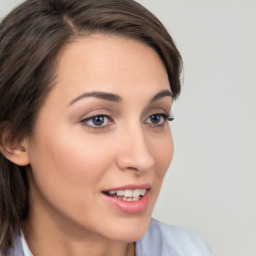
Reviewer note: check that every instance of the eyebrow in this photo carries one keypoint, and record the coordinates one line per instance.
(162, 94)
(116, 98)
(100, 95)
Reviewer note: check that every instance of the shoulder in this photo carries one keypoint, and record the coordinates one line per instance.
(16, 250)
(165, 240)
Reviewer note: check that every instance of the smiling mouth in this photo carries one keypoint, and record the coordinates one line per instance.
(127, 195)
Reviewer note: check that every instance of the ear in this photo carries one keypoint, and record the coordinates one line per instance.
(16, 152)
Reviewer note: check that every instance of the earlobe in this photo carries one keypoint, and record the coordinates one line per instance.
(16, 152)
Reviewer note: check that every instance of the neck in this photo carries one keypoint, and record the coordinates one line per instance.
(42, 241)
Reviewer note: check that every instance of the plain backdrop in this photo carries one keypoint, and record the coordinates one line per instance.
(211, 184)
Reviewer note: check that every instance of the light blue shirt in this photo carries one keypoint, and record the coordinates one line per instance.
(165, 240)
(160, 240)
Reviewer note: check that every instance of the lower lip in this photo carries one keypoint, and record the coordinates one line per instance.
(129, 206)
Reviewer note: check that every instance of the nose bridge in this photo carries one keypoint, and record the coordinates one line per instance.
(134, 149)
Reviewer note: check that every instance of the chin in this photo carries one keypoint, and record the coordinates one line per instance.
(130, 229)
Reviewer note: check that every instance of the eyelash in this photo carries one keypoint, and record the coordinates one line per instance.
(103, 117)
(165, 118)
(85, 121)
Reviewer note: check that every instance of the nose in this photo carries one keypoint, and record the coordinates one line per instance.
(134, 151)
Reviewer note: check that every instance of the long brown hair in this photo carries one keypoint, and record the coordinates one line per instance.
(31, 37)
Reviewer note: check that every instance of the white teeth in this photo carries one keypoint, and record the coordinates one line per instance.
(129, 194)
(139, 192)
(130, 199)
(120, 192)
(143, 192)
(136, 193)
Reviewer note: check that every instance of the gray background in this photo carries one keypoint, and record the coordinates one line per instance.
(211, 184)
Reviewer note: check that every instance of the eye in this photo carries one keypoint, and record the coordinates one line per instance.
(97, 121)
(157, 119)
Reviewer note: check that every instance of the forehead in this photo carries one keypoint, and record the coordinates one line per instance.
(109, 63)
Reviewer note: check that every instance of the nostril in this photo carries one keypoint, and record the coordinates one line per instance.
(133, 152)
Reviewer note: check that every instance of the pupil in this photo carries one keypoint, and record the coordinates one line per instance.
(155, 119)
(98, 120)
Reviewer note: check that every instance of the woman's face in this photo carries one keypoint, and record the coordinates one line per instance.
(102, 144)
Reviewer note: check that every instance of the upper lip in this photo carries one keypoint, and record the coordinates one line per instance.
(130, 187)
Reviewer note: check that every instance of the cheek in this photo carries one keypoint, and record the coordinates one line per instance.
(66, 168)
(163, 153)
(162, 150)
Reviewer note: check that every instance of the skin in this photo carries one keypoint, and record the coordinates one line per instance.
(72, 161)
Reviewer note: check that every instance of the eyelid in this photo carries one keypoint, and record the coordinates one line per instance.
(163, 119)
(85, 122)
(93, 113)
(162, 111)
(88, 122)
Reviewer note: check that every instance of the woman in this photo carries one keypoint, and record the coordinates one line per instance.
(86, 90)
